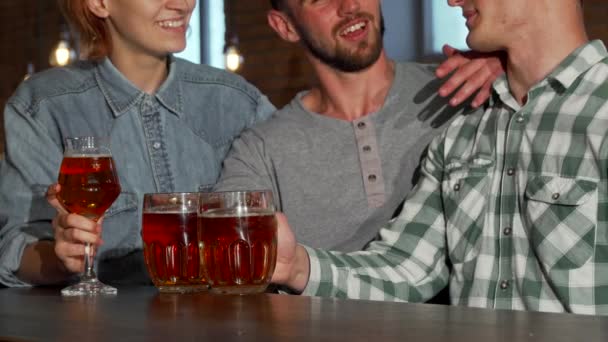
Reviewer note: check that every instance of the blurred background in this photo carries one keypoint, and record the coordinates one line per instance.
(234, 33)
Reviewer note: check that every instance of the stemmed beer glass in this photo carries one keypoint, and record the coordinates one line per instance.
(89, 186)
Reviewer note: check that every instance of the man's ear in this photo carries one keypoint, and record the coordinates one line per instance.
(282, 25)
(99, 7)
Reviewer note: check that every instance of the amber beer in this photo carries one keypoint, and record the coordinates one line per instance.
(239, 250)
(171, 251)
(89, 184)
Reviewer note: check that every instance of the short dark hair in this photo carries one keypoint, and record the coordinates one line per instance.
(276, 4)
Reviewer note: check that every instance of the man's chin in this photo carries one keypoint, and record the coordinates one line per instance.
(481, 45)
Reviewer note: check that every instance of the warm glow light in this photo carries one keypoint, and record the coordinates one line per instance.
(62, 54)
(234, 60)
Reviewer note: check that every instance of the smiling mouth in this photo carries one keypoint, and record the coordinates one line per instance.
(172, 23)
(470, 16)
(359, 26)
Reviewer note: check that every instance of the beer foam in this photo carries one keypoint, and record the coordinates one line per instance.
(237, 212)
(173, 211)
(87, 155)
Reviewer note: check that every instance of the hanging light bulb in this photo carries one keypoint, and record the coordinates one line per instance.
(234, 58)
(30, 71)
(63, 53)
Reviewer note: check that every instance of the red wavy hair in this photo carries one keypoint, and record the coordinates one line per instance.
(95, 40)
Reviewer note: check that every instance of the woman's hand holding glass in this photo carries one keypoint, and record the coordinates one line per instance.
(72, 232)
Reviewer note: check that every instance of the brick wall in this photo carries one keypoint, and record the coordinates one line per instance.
(30, 28)
(28, 31)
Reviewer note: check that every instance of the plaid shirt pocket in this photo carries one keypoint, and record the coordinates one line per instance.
(465, 190)
(561, 215)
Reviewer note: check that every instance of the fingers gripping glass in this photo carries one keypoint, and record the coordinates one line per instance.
(89, 186)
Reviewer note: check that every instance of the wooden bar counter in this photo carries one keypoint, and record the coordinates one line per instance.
(143, 314)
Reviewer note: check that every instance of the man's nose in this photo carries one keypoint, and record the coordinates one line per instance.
(348, 7)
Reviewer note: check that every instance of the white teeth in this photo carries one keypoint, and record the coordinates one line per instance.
(353, 28)
(171, 23)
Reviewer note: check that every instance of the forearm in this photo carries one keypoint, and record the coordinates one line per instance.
(41, 266)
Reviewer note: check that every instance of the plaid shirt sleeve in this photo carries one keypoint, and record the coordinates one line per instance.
(407, 263)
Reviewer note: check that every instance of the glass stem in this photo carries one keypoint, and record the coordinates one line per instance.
(89, 273)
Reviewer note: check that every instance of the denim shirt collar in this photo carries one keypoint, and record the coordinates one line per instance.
(121, 94)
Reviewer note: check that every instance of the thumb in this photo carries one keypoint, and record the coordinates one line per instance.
(51, 197)
(449, 51)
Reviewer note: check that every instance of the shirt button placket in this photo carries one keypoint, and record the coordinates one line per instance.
(514, 130)
(370, 161)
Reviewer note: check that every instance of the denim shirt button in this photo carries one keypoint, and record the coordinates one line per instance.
(156, 145)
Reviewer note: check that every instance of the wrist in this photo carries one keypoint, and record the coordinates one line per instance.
(41, 266)
(298, 278)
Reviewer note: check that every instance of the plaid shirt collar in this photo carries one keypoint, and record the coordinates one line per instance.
(560, 79)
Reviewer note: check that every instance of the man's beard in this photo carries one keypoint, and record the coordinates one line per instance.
(342, 59)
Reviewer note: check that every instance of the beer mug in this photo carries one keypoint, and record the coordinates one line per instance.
(237, 232)
(169, 234)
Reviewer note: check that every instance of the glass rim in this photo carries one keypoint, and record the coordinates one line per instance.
(172, 193)
(100, 138)
(236, 191)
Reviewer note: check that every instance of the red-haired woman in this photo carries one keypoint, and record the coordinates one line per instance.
(170, 123)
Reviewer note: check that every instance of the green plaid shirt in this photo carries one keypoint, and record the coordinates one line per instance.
(510, 209)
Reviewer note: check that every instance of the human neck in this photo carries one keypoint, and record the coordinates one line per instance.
(536, 54)
(349, 96)
(146, 72)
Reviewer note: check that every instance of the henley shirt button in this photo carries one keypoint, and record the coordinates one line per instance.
(372, 178)
(507, 231)
(361, 125)
(156, 145)
(555, 196)
(367, 148)
(504, 284)
(457, 187)
(511, 172)
(520, 119)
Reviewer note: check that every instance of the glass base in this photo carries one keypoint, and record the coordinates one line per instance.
(182, 288)
(240, 289)
(89, 287)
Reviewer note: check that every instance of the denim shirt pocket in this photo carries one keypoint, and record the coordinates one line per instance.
(465, 191)
(561, 216)
(126, 201)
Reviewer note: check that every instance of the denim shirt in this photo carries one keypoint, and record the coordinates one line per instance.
(174, 140)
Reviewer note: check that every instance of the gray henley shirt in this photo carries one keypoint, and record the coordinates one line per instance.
(337, 181)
